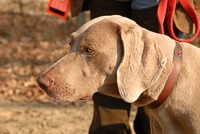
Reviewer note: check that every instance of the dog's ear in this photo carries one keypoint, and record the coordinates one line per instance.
(142, 62)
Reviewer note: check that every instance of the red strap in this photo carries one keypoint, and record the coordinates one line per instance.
(161, 12)
(171, 6)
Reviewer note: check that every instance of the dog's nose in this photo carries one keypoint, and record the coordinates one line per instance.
(44, 82)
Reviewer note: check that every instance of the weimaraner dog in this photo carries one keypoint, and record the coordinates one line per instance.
(114, 56)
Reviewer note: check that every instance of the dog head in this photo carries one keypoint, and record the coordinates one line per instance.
(109, 54)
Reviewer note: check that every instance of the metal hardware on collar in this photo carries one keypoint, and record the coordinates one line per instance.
(172, 79)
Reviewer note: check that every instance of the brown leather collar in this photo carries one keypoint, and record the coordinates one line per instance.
(172, 79)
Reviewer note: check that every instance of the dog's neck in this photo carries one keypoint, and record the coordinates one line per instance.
(172, 79)
(169, 83)
(110, 88)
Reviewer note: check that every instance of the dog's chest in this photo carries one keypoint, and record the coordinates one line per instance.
(177, 120)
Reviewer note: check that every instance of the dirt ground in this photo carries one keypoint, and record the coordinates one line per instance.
(44, 117)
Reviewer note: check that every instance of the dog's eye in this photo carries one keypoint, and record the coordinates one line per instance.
(86, 50)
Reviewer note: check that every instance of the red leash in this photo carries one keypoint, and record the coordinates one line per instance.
(167, 8)
(161, 12)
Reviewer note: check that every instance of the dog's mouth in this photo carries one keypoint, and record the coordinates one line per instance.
(85, 97)
(63, 97)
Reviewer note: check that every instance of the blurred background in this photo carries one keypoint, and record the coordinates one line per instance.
(30, 41)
